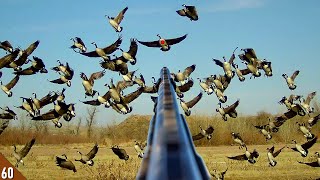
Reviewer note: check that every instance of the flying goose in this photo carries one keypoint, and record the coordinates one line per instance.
(272, 155)
(9, 114)
(218, 175)
(37, 65)
(129, 76)
(186, 106)
(184, 88)
(27, 105)
(23, 57)
(139, 80)
(164, 44)
(131, 54)
(7, 88)
(306, 131)
(115, 90)
(104, 52)
(306, 103)
(265, 131)
(290, 80)
(250, 59)
(273, 125)
(3, 125)
(226, 65)
(238, 139)
(303, 148)
(23, 152)
(288, 102)
(65, 163)
(100, 100)
(88, 83)
(247, 156)
(121, 153)
(189, 11)
(287, 115)
(123, 107)
(312, 121)
(229, 110)
(40, 103)
(116, 65)
(221, 97)
(204, 133)
(139, 149)
(78, 44)
(115, 21)
(6, 45)
(182, 76)
(314, 163)
(206, 86)
(238, 72)
(66, 73)
(88, 158)
(9, 58)
(59, 96)
(266, 67)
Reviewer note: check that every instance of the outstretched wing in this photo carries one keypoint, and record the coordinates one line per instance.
(197, 137)
(239, 157)
(49, 98)
(23, 58)
(309, 144)
(113, 47)
(189, 70)
(150, 43)
(218, 62)
(95, 76)
(6, 116)
(93, 152)
(92, 102)
(295, 74)
(132, 96)
(4, 125)
(210, 130)
(194, 101)
(52, 114)
(57, 81)
(133, 47)
(232, 107)
(175, 40)
(6, 60)
(13, 82)
(287, 115)
(25, 150)
(120, 16)
(79, 40)
(310, 97)
(186, 87)
(181, 12)
(275, 154)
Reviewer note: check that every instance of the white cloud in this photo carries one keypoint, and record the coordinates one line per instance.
(234, 5)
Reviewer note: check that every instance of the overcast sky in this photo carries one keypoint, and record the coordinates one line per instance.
(283, 31)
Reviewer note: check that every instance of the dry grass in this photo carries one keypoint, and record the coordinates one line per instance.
(39, 164)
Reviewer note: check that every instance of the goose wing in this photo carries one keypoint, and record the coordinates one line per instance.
(241, 157)
(69, 72)
(132, 96)
(49, 98)
(245, 71)
(3, 125)
(250, 53)
(233, 57)
(111, 65)
(13, 82)
(232, 107)
(95, 76)
(275, 154)
(272, 149)
(149, 89)
(309, 144)
(150, 43)
(23, 58)
(25, 150)
(93, 152)
(28, 71)
(121, 85)
(197, 137)
(192, 9)
(218, 62)
(120, 16)
(287, 115)
(6, 116)
(237, 136)
(6, 60)
(189, 70)
(52, 114)
(108, 50)
(312, 164)
(79, 40)
(186, 87)
(255, 154)
(310, 97)
(122, 68)
(57, 81)
(65, 164)
(181, 12)
(5, 45)
(194, 101)
(133, 47)
(295, 74)
(92, 102)
(176, 40)
(210, 130)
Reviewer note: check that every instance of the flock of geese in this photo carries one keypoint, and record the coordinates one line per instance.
(115, 98)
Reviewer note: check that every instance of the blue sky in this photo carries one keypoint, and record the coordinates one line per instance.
(284, 32)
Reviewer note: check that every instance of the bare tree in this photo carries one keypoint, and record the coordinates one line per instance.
(78, 126)
(90, 120)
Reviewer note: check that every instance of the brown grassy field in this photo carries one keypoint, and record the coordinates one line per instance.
(39, 164)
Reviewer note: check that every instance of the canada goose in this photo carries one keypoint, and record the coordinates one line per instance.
(186, 106)
(274, 125)
(265, 131)
(287, 115)
(88, 158)
(272, 155)
(115, 21)
(59, 96)
(6, 60)
(27, 105)
(266, 67)
(305, 104)
(9, 114)
(221, 81)
(221, 97)
(290, 80)
(123, 107)
(249, 156)
(66, 76)
(116, 65)
(288, 102)
(205, 86)
(184, 88)
(129, 76)
(218, 175)
(7, 88)
(139, 80)
(204, 133)
(250, 59)
(189, 11)
(131, 54)
(39, 104)
(100, 100)
(306, 131)
(115, 90)
(138, 149)
(78, 44)
(24, 56)
(238, 139)
(3, 125)
(88, 83)
(121, 153)
(312, 121)
(229, 110)
(23, 152)
(238, 72)
(314, 163)
(6, 45)
(227, 65)
(65, 163)
(164, 44)
(104, 52)
(182, 76)
(303, 148)
(37, 65)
